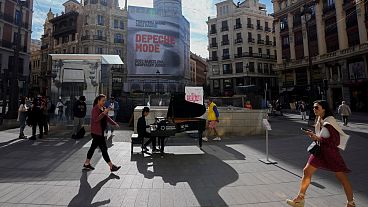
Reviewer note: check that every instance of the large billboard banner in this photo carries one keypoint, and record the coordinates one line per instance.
(155, 43)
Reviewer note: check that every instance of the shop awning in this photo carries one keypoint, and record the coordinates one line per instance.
(104, 59)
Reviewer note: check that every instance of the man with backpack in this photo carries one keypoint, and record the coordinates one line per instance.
(79, 112)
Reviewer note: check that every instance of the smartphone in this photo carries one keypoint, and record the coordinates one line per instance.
(305, 130)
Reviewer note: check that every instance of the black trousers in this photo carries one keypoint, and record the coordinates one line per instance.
(37, 121)
(345, 119)
(151, 140)
(98, 141)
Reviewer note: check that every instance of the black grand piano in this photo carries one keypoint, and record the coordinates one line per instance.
(181, 116)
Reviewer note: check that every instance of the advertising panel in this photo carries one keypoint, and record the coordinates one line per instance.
(155, 43)
(194, 94)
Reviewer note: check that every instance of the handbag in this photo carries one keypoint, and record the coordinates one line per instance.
(314, 148)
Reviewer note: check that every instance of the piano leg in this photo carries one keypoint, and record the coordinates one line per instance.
(162, 144)
(200, 138)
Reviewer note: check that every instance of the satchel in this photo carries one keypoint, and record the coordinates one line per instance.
(314, 148)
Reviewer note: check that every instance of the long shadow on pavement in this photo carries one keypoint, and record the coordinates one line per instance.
(86, 193)
(205, 173)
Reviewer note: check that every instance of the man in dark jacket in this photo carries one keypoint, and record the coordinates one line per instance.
(36, 116)
(142, 133)
(79, 112)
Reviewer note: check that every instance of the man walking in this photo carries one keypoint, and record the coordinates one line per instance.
(36, 115)
(113, 105)
(79, 112)
(212, 120)
(345, 112)
(60, 109)
(302, 110)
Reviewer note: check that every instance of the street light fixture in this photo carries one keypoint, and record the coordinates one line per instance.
(158, 81)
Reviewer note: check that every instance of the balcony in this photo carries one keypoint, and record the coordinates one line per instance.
(250, 26)
(118, 40)
(11, 19)
(98, 37)
(213, 45)
(213, 58)
(259, 27)
(225, 42)
(261, 42)
(213, 31)
(85, 37)
(238, 55)
(239, 40)
(223, 29)
(238, 26)
(43, 47)
(7, 44)
(251, 40)
(267, 29)
(226, 57)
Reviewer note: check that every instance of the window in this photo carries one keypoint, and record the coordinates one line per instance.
(266, 25)
(258, 23)
(240, 51)
(239, 67)
(225, 54)
(260, 51)
(118, 38)
(250, 50)
(268, 52)
(259, 68)
(93, 1)
(238, 36)
(216, 84)
(330, 2)
(226, 69)
(251, 67)
(285, 41)
(259, 37)
(99, 50)
(73, 37)
(100, 20)
(265, 68)
(215, 70)
(86, 50)
(121, 25)
(249, 35)
(214, 55)
(213, 40)
(103, 2)
(18, 17)
(228, 84)
(99, 33)
(237, 21)
(283, 23)
(224, 26)
(225, 39)
(118, 52)
(249, 21)
(16, 37)
(116, 23)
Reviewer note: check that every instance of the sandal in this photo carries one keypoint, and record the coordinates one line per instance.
(350, 203)
(297, 202)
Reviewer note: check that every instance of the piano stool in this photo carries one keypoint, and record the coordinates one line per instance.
(136, 140)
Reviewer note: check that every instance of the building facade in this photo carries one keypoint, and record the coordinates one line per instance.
(241, 48)
(86, 27)
(198, 70)
(15, 17)
(324, 54)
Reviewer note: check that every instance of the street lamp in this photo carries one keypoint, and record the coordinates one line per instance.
(14, 94)
(158, 81)
(307, 14)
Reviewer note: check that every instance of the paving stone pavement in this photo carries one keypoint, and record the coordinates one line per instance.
(47, 172)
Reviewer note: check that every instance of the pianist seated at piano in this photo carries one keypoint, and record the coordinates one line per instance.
(142, 133)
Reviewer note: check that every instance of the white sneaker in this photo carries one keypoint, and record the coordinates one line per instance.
(217, 139)
(205, 139)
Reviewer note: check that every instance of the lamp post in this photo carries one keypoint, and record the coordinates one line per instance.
(14, 89)
(307, 14)
(158, 81)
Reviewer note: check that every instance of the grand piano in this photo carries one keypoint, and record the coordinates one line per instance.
(182, 116)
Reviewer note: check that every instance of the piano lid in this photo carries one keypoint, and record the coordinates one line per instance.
(180, 108)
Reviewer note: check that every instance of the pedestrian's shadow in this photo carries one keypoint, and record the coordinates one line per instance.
(87, 193)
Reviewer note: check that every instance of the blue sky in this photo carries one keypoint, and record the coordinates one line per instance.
(196, 11)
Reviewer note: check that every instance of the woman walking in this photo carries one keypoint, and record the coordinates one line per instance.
(22, 116)
(328, 134)
(99, 121)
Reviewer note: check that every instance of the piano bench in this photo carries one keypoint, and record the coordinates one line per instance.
(135, 140)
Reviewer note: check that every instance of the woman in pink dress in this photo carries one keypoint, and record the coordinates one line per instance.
(328, 133)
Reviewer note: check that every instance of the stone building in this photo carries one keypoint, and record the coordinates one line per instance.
(198, 70)
(241, 49)
(322, 51)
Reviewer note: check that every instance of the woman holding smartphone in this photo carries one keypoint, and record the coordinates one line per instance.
(328, 133)
(99, 121)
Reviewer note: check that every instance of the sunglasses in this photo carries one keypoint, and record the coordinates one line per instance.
(315, 107)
